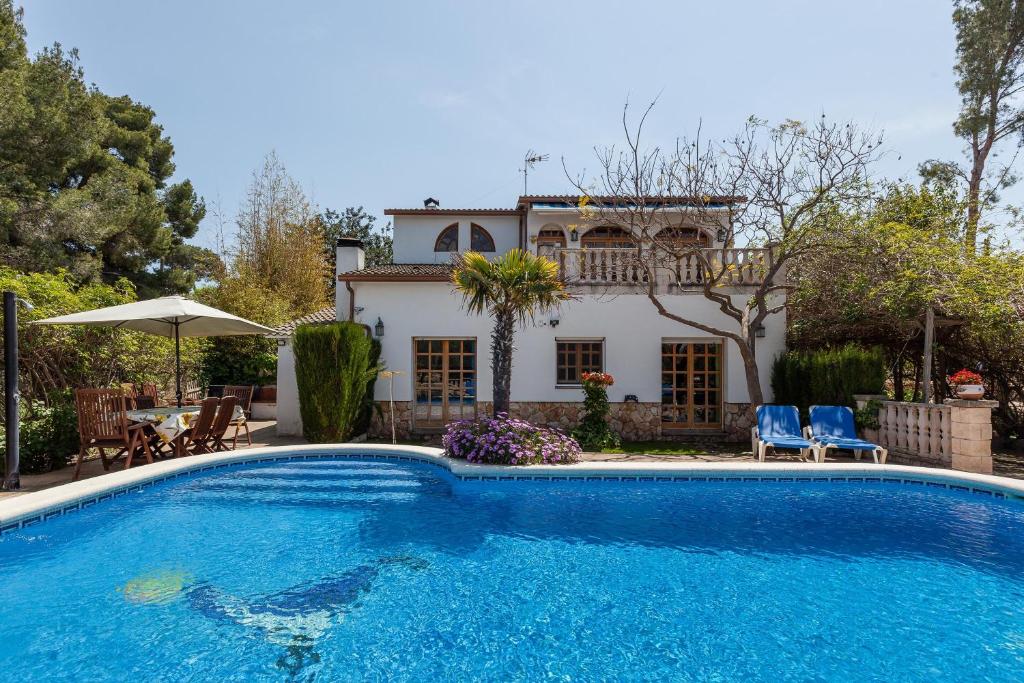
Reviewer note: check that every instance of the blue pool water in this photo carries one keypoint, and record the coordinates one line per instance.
(372, 570)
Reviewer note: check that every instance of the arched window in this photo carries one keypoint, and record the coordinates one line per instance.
(607, 237)
(480, 239)
(551, 237)
(448, 240)
(682, 237)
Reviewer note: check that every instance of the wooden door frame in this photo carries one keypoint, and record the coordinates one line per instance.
(690, 426)
(431, 426)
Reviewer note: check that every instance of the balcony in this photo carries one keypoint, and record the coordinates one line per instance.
(628, 267)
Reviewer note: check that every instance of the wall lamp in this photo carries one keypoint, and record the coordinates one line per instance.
(759, 331)
(378, 329)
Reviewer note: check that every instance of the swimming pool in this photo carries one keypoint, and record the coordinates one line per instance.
(360, 569)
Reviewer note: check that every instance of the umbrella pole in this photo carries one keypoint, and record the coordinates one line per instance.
(177, 363)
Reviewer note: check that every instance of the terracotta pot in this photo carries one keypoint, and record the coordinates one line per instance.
(970, 392)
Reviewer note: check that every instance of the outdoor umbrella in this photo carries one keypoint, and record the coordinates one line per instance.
(168, 316)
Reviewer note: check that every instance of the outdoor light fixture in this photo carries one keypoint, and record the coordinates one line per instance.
(722, 234)
(574, 236)
(631, 398)
(759, 331)
(378, 329)
(554, 322)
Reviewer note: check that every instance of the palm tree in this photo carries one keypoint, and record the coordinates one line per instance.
(511, 288)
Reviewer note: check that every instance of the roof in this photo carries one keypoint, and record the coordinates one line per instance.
(401, 272)
(452, 212)
(572, 200)
(324, 315)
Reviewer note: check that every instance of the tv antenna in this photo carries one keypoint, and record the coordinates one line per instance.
(529, 161)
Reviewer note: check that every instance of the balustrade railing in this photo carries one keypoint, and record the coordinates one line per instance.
(921, 430)
(630, 266)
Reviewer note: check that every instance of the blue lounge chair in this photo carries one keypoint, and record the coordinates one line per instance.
(833, 427)
(779, 427)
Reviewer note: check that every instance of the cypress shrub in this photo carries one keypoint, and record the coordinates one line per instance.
(827, 376)
(334, 367)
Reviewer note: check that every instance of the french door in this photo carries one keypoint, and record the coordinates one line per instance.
(691, 385)
(444, 381)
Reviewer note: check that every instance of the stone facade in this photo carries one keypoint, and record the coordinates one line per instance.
(631, 421)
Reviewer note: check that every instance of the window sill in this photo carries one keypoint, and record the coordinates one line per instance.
(568, 386)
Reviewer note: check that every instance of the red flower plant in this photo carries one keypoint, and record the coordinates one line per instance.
(965, 376)
(601, 379)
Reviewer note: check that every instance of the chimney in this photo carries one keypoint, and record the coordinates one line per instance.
(431, 203)
(348, 256)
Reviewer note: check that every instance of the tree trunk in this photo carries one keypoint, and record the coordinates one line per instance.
(898, 390)
(752, 375)
(973, 208)
(501, 360)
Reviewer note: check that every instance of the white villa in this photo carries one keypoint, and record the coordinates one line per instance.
(670, 379)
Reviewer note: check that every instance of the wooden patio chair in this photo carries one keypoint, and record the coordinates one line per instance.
(130, 394)
(150, 391)
(198, 437)
(244, 396)
(225, 416)
(191, 392)
(103, 424)
(144, 402)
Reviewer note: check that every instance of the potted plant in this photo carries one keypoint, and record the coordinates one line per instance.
(967, 385)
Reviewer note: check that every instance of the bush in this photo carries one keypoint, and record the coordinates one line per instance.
(48, 435)
(594, 433)
(827, 376)
(333, 368)
(503, 440)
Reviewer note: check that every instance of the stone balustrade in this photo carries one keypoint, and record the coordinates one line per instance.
(956, 433)
(625, 266)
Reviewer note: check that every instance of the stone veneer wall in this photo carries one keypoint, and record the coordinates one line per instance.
(632, 421)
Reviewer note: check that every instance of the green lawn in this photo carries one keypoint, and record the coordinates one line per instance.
(663, 448)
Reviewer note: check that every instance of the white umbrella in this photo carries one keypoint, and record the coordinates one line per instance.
(168, 316)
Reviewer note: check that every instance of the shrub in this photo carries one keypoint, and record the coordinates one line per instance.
(48, 435)
(333, 368)
(594, 433)
(503, 440)
(827, 376)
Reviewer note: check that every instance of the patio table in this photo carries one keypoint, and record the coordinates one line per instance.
(171, 423)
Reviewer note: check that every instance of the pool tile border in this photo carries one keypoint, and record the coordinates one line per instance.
(27, 510)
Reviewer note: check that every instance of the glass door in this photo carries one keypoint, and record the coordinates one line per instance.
(445, 381)
(691, 385)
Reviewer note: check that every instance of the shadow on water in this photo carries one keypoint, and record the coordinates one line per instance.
(296, 618)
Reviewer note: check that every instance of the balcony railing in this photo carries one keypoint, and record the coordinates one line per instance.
(629, 266)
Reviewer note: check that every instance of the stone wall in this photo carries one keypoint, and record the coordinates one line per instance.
(631, 421)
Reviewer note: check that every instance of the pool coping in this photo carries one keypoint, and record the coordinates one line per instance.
(31, 508)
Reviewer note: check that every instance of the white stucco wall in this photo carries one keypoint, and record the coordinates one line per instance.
(415, 236)
(630, 326)
(288, 419)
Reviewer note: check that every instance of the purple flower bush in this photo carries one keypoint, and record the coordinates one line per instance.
(503, 440)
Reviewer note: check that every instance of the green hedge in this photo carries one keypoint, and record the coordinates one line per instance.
(335, 366)
(827, 376)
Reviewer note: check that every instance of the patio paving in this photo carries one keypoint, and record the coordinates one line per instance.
(264, 433)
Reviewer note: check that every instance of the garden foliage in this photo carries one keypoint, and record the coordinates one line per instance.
(827, 376)
(334, 365)
(503, 440)
(594, 432)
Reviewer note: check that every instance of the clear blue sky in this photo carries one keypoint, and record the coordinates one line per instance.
(385, 103)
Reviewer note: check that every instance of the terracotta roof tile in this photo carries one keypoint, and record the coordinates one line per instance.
(425, 272)
(574, 198)
(324, 315)
(451, 212)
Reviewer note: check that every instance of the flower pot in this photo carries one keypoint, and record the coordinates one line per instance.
(970, 392)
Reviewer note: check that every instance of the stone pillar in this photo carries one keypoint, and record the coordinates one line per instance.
(971, 434)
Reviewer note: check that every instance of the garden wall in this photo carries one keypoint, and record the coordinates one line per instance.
(631, 421)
